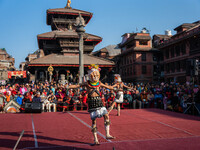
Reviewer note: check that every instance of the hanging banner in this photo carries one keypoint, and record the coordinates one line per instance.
(21, 74)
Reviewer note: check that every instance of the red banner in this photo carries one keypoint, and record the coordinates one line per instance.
(17, 74)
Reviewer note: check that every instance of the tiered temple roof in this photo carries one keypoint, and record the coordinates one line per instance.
(69, 60)
(61, 45)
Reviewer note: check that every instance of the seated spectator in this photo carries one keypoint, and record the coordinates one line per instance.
(45, 104)
(83, 99)
(60, 97)
(103, 99)
(19, 99)
(183, 102)
(43, 95)
(158, 99)
(13, 96)
(110, 100)
(143, 97)
(128, 99)
(150, 99)
(27, 98)
(137, 100)
(53, 102)
(67, 101)
(37, 98)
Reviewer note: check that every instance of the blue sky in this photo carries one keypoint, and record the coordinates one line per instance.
(22, 20)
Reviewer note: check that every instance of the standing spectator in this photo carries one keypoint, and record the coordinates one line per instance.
(23, 89)
(175, 102)
(7, 96)
(2, 102)
(165, 101)
(37, 98)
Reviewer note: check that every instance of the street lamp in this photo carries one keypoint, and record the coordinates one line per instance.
(80, 23)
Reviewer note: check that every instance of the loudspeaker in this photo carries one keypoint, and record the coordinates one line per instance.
(33, 107)
(36, 107)
(28, 108)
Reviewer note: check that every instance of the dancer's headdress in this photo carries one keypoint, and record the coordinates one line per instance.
(117, 78)
(93, 68)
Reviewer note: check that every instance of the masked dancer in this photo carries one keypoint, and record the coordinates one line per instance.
(95, 104)
(120, 95)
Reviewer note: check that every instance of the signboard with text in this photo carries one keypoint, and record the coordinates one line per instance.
(21, 74)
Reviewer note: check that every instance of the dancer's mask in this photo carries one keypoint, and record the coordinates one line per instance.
(93, 73)
(117, 78)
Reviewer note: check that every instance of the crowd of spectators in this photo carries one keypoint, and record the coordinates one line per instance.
(57, 97)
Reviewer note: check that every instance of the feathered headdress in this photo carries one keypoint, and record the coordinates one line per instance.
(93, 66)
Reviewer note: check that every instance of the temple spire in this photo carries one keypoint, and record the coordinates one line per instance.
(68, 4)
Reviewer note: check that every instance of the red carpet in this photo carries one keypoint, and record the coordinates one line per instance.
(141, 129)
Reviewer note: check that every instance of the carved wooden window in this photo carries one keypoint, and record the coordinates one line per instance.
(177, 49)
(172, 52)
(144, 69)
(183, 48)
(167, 53)
(143, 56)
(143, 42)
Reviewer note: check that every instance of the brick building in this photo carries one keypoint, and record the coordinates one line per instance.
(138, 61)
(6, 64)
(178, 50)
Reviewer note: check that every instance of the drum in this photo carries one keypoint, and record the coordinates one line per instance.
(11, 109)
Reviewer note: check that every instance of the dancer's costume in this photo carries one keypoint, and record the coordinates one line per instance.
(95, 104)
(120, 95)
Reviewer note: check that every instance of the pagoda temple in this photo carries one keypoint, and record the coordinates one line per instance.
(60, 47)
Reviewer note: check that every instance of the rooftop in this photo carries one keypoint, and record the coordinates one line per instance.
(56, 59)
(112, 50)
(71, 12)
(66, 34)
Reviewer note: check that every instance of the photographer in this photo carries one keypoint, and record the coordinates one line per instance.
(197, 101)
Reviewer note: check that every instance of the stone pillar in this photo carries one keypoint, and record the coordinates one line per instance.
(46, 73)
(57, 75)
(80, 23)
(35, 75)
(81, 65)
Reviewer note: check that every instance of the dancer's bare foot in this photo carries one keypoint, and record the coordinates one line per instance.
(110, 137)
(96, 143)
